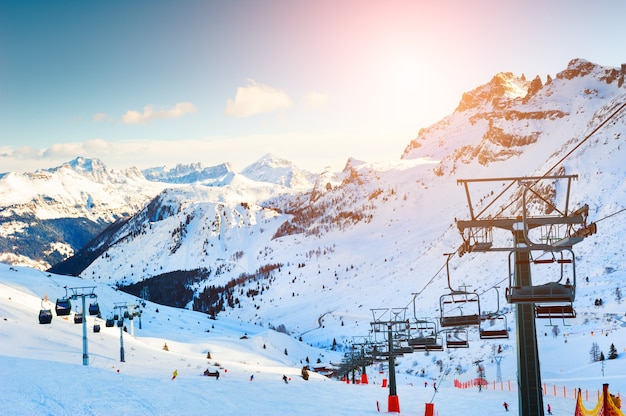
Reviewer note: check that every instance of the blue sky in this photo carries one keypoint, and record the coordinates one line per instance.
(148, 83)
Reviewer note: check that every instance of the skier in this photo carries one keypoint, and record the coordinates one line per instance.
(435, 385)
(174, 374)
(285, 379)
(251, 377)
(549, 409)
(506, 406)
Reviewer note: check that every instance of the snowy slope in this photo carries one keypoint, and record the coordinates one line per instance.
(41, 365)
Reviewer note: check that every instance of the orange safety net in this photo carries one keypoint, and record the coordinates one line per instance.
(608, 405)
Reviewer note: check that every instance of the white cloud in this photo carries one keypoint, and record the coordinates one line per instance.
(24, 153)
(99, 117)
(63, 151)
(149, 114)
(316, 99)
(256, 99)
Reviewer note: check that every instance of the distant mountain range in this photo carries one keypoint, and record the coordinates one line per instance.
(47, 215)
(259, 244)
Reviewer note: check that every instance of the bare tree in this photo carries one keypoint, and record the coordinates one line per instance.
(595, 352)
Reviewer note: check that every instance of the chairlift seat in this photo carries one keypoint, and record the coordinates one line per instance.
(457, 343)
(494, 334)
(435, 347)
(555, 311)
(568, 241)
(459, 320)
(405, 350)
(481, 246)
(422, 341)
(548, 293)
(543, 261)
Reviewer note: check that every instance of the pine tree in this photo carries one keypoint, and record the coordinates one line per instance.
(612, 352)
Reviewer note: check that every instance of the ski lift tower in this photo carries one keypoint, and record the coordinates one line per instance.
(394, 322)
(84, 292)
(550, 231)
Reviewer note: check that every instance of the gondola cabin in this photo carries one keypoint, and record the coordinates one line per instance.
(78, 318)
(45, 316)
(94, 309)
(63, 307)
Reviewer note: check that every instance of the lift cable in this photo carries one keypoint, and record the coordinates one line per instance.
(610, 215)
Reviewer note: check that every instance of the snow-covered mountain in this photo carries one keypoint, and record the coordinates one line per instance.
(195, 172)
(279, 171)
(46, 216)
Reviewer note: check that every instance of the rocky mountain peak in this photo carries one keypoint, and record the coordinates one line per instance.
(503, 86)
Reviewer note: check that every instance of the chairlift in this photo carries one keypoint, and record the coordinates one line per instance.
(561, 290)
(451, 306)
(426, 336)
(63, 306)
(565, 311)
(457, 338)
(437, 346)
(493, 325)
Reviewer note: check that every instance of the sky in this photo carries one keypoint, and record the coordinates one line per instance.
(152, 83)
